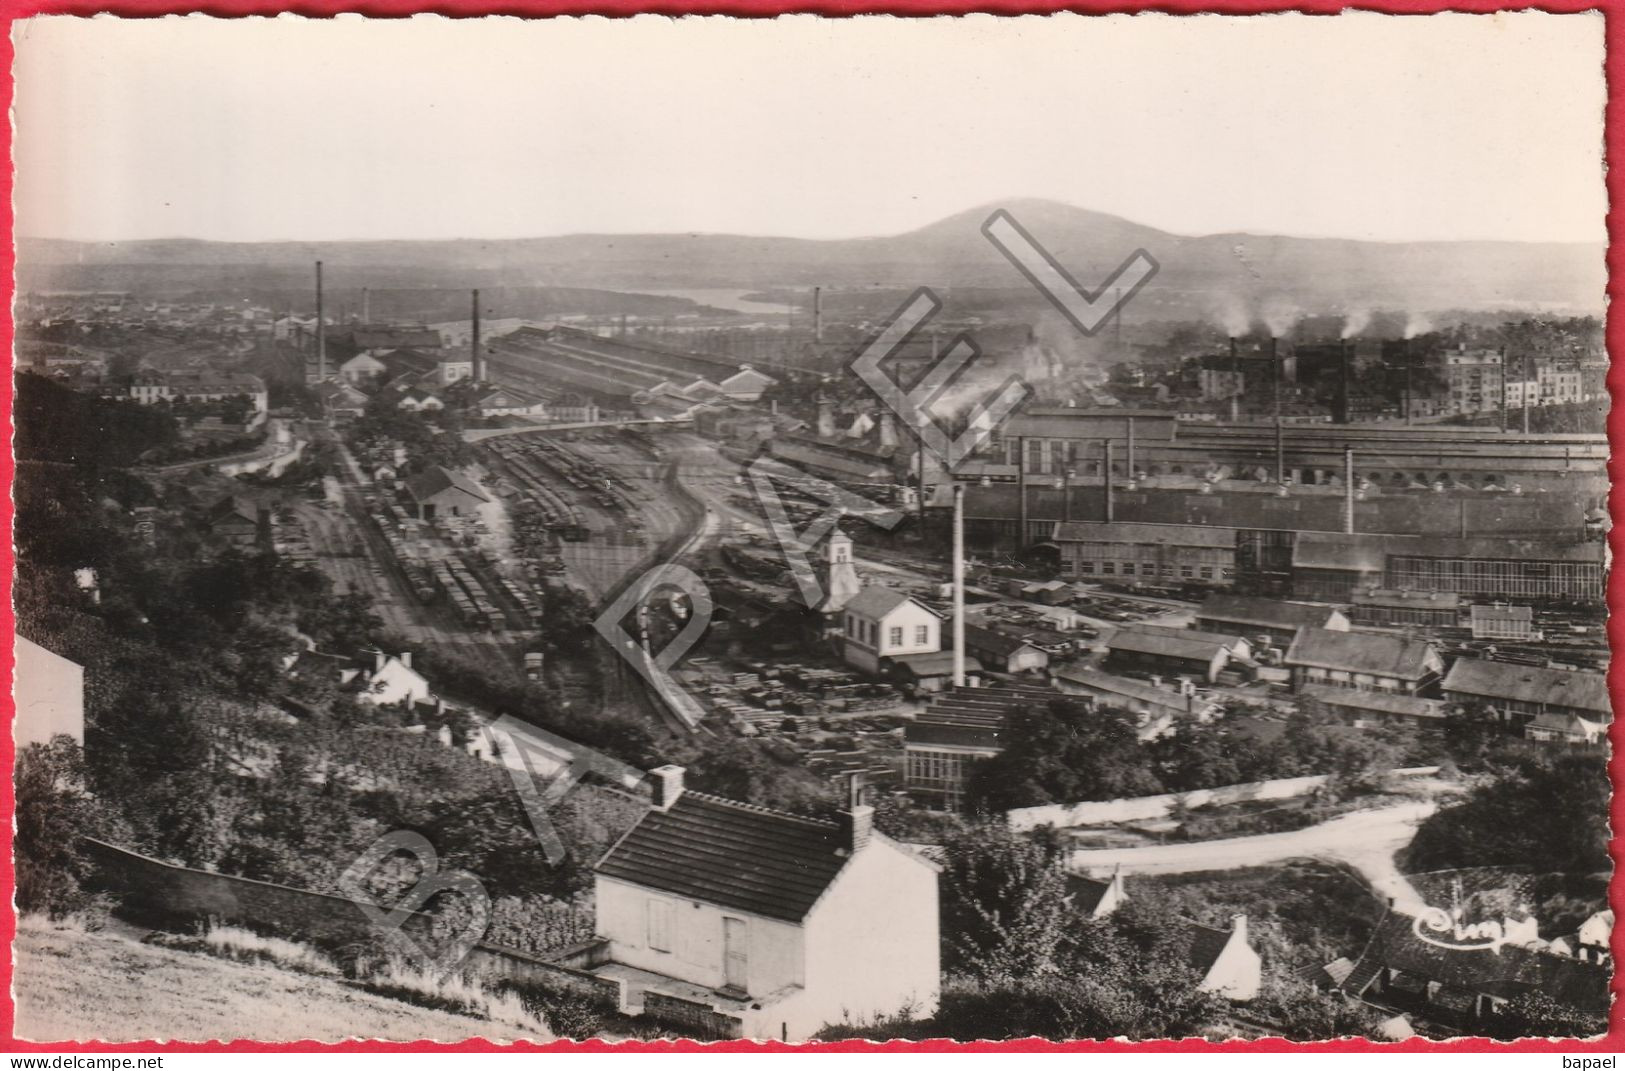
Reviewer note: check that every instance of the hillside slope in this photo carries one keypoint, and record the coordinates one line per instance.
(107, 986)
(1319, 273)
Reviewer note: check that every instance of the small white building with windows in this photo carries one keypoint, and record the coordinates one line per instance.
(879, 623)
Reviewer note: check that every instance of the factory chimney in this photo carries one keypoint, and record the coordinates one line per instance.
(366, 305)
(818, 314)
(476, 371)
(1021, 491)
(1345, 417)
(321, 330)
(1348, 490)
(1106, 479)
(959, 585)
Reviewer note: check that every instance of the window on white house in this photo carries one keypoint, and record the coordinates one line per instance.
(660, 925)
(895, 636)
(922, 635)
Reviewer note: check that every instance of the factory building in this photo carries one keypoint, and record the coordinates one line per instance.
(1158, 553)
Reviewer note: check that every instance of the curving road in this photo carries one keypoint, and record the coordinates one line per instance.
(1364, 840)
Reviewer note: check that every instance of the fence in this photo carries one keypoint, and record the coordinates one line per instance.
(1147, 808)
(163, 894)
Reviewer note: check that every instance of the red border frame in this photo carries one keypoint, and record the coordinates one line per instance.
(1614, 13)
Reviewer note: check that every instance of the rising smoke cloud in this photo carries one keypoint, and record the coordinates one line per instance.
(1280, 315)
(1417, 323)
(1355, 322)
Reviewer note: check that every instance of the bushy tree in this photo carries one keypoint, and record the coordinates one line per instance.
(1063, 753)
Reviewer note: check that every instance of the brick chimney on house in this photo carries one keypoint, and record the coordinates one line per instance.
(858, 820)
(668, 786)
(406, 659)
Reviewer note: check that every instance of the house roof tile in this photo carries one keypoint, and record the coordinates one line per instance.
(1529, 684)
(731, 854)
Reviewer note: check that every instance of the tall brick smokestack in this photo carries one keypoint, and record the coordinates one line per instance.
(476, 370)
(818, 314)
(321, 330)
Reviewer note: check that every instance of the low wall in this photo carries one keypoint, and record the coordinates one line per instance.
(164, 894)
(1150, 808)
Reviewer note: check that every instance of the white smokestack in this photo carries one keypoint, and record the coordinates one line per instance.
(959, 585)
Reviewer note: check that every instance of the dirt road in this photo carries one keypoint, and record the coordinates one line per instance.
(1364, 840)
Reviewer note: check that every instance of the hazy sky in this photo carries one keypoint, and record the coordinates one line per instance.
(1364, 126)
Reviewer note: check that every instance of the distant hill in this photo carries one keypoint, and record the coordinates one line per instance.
(1313, 274)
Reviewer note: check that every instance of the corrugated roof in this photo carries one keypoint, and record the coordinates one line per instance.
(1173, 535)
(1360, 652)
(1173, 642)
(1408, 600)
(1111, 684)
(1529, 684)
(435, 479)
(1494, 548)
(1265, 613)
(730, 854)
(934, 663)
(1380, 702)
(993, 642)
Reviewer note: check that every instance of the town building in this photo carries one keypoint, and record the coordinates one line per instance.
(957, 729)
(1363, 661)
(48, 695)
(1518, 694)
(1225, 960)
(509, 401)
(1175, 652)
(1385, 608)
(1473, 378)
(1463, 989)
(240, 522)
(1164, 553)
(1333, 565)
(1003, 652)
(1369, 709)
(340, 399)
(1266, 622)
(441, 492)
(1156, 707)
(1493, 567)
(741, 921)
(1499, 621)
(881, 623)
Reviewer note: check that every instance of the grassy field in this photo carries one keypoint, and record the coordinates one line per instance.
(109, 986)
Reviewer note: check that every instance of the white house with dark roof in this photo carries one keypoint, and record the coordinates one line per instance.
(880, 622)
(742, 921)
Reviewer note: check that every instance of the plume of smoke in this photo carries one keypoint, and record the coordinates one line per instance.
(1280, 316)
(1230, 315)
(1355, 322)
(1417, 323)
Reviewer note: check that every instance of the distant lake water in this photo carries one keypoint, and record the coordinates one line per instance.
(733, 300)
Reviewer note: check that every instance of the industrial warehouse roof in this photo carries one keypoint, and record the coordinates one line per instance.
(933, 663)
(973, 717)
(1264, 613)
(1493, 548)
(1408, 600)
(1106, 685)
(877, 600)
(992, 641)
(1181, 535)
(435, 479)
(1408, 706)
(1360, 652)
(1529, 684)
(1172, 642)
(380, 336)
(730, 854)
